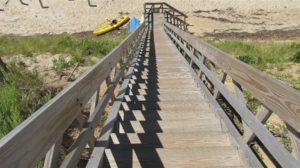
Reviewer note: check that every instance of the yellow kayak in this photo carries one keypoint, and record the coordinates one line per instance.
(116, 23)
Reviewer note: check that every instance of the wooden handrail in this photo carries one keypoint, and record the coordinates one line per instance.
(169, 12)
(280, 99)
(167, 7)
(30, 141)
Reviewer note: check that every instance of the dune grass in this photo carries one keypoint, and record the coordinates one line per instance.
(78, 47)
(21, 94)
(23, 91)
(273, 57)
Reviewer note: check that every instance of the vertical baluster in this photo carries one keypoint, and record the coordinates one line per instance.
(295, 138)
(222, 79)
(52, 156)
(262, 115)
(202, 61)
(108, 83)
(94, 101)
(240, 96)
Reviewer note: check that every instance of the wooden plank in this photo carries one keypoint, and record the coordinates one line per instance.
(279, 98)
(94, 101)
(222, 79)
(102, 142)
(262, 115)
(52, 156)
(26, 144)
(73, 157)
(245, 150)
(96, 158)
(295, 138)
(274, 147)
(224, 157)
(240, 95)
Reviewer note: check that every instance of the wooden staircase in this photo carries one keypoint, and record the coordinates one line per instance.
(169, 106)
(165, 120)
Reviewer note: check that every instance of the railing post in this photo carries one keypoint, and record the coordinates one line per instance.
(223, 79)
(295, 138)
(52, 156)
(262, 115)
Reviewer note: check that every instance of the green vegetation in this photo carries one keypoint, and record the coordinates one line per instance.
(277, 58)
(78, 47)
(21, 94)
(273, 57)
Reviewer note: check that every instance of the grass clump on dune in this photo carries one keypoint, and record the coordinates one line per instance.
(21, 93)
(56, 44)
(79, 48)
(278, 58)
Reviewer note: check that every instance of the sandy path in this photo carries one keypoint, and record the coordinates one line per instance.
(205, 16)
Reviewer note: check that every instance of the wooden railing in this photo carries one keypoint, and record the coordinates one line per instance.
(225, 79)
(40, 136)
(172, 15)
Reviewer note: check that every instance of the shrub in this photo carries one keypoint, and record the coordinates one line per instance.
(248, 59)
(296, 57)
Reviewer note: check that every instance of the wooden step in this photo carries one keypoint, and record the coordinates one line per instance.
(168, 126)
(139, 115)
(186, 82)
(169, 140)
(165, 97)
(161, 91)
(171, 92)
(158, 87)
(197, 157)
(167, 106)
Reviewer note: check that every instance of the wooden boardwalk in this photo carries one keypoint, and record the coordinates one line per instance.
(170, 106)
(165, 120)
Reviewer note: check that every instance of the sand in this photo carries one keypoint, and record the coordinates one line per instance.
(205, 16)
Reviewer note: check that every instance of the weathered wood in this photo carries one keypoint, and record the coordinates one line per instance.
(240, 95)
(262, 115)
(222, 79)
(97, 155)
(102, 142)
(245, 150)
(26, 144)
(94, 101)
(274, 147)
(73, 157)
(52, 156)
(295, 138)
(279, 98)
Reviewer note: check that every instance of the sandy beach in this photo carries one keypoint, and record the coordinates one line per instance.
(205, 17)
